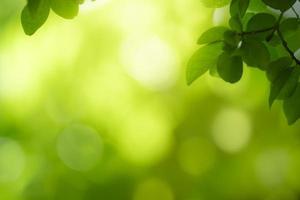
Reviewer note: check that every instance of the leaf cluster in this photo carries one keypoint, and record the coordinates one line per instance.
(258, 35)
(36, 12)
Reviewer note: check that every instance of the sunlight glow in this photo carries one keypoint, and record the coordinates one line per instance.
(220, 16)
(93, 5)
(79, 147)
(12, 160)
(151, 62)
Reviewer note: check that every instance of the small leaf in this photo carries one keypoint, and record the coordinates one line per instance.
(214, 34)
(230, 68)
(236, 24)
(34, 15)
(274, 41)
(293, 40)
(238, 8)
(276, 67)
(202, 61)
(261, 21)
(285, 84)
(282, 5)
(255, 54)
(288, 26)
(231, 38)
(67, 9)
(291, 106)
(247, 18)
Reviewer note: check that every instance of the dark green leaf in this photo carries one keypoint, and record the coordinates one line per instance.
(255, 54)
(247, 18)
(231, 38)
(230, 68)
(285, 84)
(202, 60)
(236, 24)
(288, 26)
(291, 106)
(293, 40)
(238, 8)
(280, 4)
(261, 21)
(276, 67)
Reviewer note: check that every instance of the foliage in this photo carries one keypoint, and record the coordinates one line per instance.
(261, 36)
(36, 12)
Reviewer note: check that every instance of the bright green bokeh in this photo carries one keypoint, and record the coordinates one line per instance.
(98, 108)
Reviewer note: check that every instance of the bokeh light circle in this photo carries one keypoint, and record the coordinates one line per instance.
(150, 61)
(231, 130)
(79, 147)
(12, 160)
(272, 167)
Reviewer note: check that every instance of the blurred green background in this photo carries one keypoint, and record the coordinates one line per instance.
(98, 108)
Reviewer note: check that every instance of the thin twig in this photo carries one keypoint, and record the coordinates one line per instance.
(256, 32)
(285, 45)
(297, 15)
(276, 29)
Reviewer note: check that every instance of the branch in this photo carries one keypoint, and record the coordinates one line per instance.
(285, 45)
(256, 32)
(274, 29)
(297, 15)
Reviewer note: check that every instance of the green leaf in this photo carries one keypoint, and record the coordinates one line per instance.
(276, 67)
(285, 84)
(214, 34)
(261, 21)
(293, 40)
(67, 9)
(215, 3)
(202, 61)
(247, 18)
(289, 26)
(236, 24)
(274, 41)
(34, 15)
(282, 5)
(231, 38)
(255, 54)
(257, 6)
(230, 68)
(238, 7)
(291, 106)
